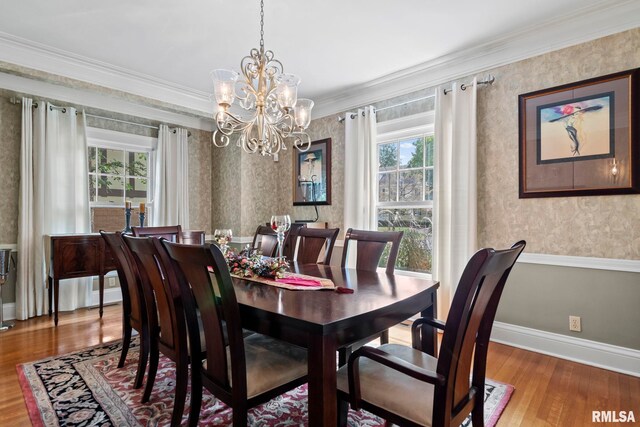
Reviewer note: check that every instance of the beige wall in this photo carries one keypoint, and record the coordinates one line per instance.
(596, 226)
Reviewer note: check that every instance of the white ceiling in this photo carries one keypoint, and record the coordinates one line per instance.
(333, 45)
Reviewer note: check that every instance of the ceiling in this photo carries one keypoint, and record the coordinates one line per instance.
(333, 45)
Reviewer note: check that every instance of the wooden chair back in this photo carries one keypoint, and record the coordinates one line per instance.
(169, 232)
(292, 239)
(312, 240)
(213, 295)
(268, 240)
(132, 296)
(162, 297)
(370, 245)
(467, 331)
(192, 237)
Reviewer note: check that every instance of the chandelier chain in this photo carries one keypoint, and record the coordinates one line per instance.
(262, 25)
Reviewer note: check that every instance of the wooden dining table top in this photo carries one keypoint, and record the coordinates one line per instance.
(322, 311)
(324, 320)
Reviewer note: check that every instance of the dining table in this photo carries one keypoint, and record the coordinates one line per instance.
(322, 321)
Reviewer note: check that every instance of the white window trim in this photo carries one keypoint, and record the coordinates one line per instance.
(391, 130)
(105, 138)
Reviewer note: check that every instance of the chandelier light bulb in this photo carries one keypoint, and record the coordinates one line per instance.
(303, 112)
(287, 90)
(224, 85)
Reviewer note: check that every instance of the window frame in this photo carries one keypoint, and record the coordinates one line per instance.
(395, 130)
(109, 139)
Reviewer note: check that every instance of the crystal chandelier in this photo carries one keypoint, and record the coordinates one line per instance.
(267, 97)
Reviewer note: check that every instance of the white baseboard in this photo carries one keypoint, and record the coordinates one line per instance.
(601, 355)
(111, 295)
(9, 311)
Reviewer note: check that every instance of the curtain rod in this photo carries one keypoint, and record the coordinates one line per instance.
(487, 81)
(14, 100)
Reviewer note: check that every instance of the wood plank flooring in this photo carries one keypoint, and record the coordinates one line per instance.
(549, 391)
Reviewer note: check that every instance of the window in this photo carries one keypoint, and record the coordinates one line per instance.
(119, 170)
(405, 188)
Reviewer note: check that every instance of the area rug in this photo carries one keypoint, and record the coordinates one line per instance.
(86, 388)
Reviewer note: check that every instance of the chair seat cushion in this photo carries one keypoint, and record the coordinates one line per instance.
(394, 391)
(270, 363)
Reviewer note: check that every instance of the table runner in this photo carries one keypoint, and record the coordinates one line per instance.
(324, 283)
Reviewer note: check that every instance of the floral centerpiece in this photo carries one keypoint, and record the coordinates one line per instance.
(250, 264)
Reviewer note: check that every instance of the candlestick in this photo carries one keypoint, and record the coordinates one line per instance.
(141, 215)
(127, 220)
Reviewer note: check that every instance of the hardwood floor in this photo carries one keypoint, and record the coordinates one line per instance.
(549, 391)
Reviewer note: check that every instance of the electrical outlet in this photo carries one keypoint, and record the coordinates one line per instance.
(575, 324)
(112, 282)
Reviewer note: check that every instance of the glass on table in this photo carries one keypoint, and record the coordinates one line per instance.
(280, 224)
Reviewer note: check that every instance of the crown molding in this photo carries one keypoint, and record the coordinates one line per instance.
(590, 23)
(38, 56)
(93, 99)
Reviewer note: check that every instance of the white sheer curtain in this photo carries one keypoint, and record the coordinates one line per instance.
(171, 179)
(360, 172)
(455, 201)
(54, 199)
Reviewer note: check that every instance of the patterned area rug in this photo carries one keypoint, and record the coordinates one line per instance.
(86, 388)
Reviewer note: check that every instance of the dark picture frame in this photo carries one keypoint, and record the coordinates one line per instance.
(580, 139)
(312, 174)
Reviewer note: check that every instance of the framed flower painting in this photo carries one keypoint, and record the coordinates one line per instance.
(581, 138)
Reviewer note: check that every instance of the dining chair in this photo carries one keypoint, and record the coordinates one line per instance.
(265, 240)
(169, 232)
(192, 237)
(165, 312)
(430, 391)
(310, 244)
(249, 370)
(134, 314)
(292, 239)
(369, 246)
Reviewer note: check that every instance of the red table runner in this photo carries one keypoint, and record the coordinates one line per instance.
(293, 281)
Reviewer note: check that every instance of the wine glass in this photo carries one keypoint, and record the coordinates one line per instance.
(280, 224)
(222, 237)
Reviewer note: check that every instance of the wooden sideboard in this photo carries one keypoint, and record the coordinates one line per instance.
(76, 255)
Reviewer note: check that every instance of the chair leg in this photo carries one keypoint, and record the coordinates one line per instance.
(182, 380)
(126, 341)
(154, 356)
(196, 396)
(343, 412)
(239, 407)
(343, 356)
(142, 359)
(384, 338)
(477, 415)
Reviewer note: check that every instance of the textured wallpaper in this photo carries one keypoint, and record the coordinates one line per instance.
(596, 226)
(10, 124)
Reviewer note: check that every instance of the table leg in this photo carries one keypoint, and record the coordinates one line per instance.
(429, 333)
(56, 292)
(322, 382)
(101, 281)
(50, 292)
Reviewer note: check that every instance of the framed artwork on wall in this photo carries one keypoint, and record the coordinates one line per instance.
(581, 139)
(312, 174)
